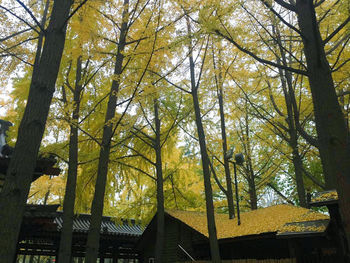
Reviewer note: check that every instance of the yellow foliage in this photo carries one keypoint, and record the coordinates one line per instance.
(303, 228)
(327, 196)
(264, 220)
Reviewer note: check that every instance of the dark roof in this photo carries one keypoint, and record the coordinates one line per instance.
(81, 223)
(40, 211)
(43, 166)
(108, 226)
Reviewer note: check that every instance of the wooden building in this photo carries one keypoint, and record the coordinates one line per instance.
(40, 235)
(276, 232)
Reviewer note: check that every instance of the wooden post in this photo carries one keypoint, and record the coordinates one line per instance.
(115, 255)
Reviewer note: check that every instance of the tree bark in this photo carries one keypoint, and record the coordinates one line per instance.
(292, 119)
(65, 248)
(213, 241)
(330, 121)
(249, 165)
(92, 246)
(331, 128)
(20, 171)
(214, 246)
(229, 192)
(160, 193)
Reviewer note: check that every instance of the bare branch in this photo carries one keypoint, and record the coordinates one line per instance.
(15, 34)
(74, 11)
(135, 168)
(21, 19)
(286, 5)
(261, 60)
(279, 193)
(31, 15)
(281, 18)
(336, 31)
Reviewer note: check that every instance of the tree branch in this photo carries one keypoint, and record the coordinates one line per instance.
(31, 15)
(261, 60)
(336, 31)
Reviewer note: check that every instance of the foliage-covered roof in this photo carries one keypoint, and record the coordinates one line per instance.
(325, 198)
(304, 228)
(263, 220)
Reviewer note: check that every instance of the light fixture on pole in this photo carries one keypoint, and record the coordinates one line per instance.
(239, 159)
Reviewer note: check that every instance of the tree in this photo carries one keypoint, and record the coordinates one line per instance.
(19, 173)
(333, 136)
(112, 122)
(214, 246)
(219, 85)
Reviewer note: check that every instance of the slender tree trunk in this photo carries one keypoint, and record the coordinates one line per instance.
(213, 241)
(298, 169)
(252, 195)
(293, 139)
(289, 97)
(250, 170)
(160, 193)
(20, 171)
(46, 198)
(214, 246)
(65, 248)
(92, 246)
(229, 192)
(333, 135)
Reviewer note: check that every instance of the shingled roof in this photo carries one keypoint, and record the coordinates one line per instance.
(81, 223)
(264, 220)
(109, 226)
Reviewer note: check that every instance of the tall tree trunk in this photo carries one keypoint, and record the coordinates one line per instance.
(229, 192)
(293, 138)
(214, 246)
(250, 170)
(333, 136)
(213, 241)
(160, 193)
(330, 121)
(92, 246)
(20, 171)
(298, 169)
(65, 248)
(289, 97)
(252, 194)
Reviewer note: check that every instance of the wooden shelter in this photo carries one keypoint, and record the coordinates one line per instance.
(266, 233)
(40, 234)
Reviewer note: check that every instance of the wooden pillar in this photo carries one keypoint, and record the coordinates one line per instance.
(116, 254)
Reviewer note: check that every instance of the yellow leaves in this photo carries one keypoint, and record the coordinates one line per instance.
(270, 219)
(303, 228)
(326, 196)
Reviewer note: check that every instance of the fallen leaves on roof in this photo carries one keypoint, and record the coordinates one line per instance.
(263, 220)
(303, 228)
(326, 196)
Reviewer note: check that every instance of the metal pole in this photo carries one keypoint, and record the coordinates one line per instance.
(236, 187)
